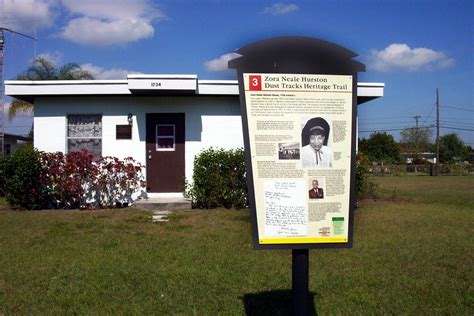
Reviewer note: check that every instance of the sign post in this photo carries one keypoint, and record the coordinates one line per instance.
(298, 99)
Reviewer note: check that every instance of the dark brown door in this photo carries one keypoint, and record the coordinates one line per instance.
(165, 152)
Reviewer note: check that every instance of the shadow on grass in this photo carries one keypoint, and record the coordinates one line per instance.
(278, 302)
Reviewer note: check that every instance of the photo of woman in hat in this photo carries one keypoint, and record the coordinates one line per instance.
(314, 138)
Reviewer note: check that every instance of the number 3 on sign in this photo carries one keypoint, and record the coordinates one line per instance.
(255, 83)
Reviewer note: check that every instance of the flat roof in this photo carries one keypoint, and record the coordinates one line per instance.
(149, 84)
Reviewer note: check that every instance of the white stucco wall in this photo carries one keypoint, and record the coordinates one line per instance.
(210, 121)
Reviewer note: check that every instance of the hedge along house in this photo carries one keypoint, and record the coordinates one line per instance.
(162, 121)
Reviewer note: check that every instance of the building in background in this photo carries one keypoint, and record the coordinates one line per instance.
(162, 121)
(12, 142)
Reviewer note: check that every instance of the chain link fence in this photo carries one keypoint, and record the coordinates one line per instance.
(422, 169)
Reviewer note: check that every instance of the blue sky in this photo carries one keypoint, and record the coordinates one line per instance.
(413, 46)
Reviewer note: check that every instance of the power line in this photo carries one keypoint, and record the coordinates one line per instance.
(459, 120)
(394, 129)
(458, 123)
(427, 126)
(456, 108)
(458, 128)
(432, 109)
(390, 118)
(411, 117)
(401, 129)
(384, 123)
(452, 119)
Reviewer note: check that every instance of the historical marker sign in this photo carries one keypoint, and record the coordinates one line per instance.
(298, 103)
(300, 129)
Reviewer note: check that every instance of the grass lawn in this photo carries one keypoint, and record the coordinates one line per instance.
(413, 254)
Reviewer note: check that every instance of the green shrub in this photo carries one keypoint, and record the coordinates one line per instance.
(364, 187)
(219, 179)
(3, 163)
(23, 188)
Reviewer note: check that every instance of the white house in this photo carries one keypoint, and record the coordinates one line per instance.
(162, 121)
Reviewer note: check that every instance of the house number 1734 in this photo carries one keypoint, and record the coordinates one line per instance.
(156, 84)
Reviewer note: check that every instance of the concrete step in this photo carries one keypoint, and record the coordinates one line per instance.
(163, 204)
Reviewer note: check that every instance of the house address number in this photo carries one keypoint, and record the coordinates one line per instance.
(156, 84)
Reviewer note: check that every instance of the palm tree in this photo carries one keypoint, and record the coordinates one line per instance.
(43, 69)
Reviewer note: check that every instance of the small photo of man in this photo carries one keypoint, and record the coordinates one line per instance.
(316, 192)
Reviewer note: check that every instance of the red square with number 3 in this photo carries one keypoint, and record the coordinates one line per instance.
(255, 83)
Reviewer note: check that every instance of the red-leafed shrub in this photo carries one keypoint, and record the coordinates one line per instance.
(117, 181)
(34, 180)
(68, 177)
(80, 180)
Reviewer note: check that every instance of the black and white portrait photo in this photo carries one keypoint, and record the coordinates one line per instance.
(314, 139)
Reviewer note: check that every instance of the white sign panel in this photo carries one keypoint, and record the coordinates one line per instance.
(300, 145)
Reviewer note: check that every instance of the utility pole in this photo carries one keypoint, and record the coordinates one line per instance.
(2, 129)
(437, 132)
(417, 117)
(2, 108)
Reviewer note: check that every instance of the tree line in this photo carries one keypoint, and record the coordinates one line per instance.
(382, 148)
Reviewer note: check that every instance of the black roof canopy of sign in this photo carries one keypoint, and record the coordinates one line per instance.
(296, 54)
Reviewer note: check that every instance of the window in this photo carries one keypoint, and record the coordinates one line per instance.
(165, 137)
(84, 131)
(123, 132)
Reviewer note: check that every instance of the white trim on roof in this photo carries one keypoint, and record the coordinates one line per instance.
(371, 90)
(63, 82)
(218, 87)
(370, 84)
(30, 89)
(137, 83)
(161, 76)
(219, 82)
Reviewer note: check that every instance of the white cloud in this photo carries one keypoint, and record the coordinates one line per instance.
(89, 22)
(220, 63)
(24, 15)
(109, 22)
(92, 31)
(107, 74)
(113, 9)
(55, 57)
(400, 57)
(280, 8)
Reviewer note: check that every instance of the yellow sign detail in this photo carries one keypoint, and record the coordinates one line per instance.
(302, 240)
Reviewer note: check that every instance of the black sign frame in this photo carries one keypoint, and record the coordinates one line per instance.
(296, 55)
